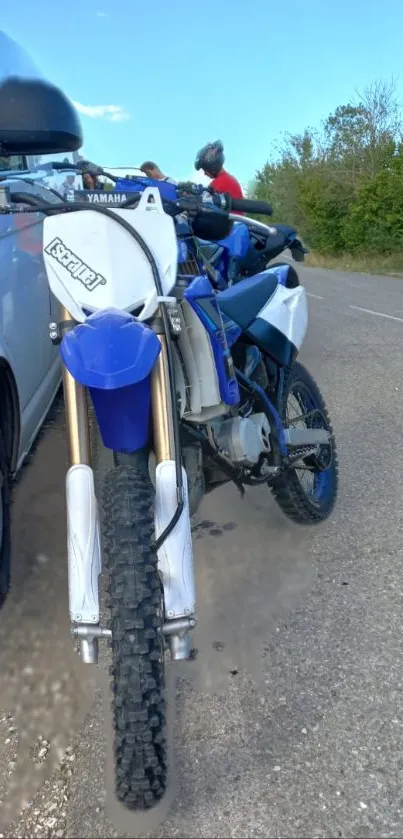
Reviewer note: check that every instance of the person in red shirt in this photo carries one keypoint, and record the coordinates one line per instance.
(210, 160)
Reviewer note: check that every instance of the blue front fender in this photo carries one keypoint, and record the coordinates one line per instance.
(113, 354)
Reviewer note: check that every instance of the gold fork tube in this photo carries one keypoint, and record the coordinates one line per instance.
(76, 403)
(164, 448)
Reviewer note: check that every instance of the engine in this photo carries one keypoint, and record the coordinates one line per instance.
(243, 439)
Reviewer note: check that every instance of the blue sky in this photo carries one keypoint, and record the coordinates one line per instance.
(180, 74)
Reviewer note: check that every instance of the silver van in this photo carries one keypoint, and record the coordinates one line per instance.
(29, 363)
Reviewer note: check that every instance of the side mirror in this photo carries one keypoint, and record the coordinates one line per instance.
(36, 118)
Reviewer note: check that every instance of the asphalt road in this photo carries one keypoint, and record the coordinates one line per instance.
(291, 725)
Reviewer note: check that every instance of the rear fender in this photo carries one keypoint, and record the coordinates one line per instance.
(298, 250)
(113, 355)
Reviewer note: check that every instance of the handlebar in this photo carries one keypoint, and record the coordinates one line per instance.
(248, 205)
(82, 166)
(220, 200)
(194, 202)
(58, 166)
(225, 202)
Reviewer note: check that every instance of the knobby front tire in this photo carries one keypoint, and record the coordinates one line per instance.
(134, 598)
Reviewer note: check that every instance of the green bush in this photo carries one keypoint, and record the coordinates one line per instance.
(342, 186)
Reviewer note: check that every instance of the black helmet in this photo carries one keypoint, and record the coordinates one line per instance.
(211, 158)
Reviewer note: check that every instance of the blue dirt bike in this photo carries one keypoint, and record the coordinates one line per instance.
(191, 388)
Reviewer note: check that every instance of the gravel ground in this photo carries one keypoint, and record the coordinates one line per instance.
(289, 722)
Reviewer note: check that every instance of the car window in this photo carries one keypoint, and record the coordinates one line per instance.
(16, 162)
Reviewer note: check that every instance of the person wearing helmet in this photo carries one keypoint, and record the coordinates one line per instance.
(210, 160)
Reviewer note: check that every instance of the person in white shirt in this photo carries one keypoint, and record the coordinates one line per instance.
(67, 185)
(153, 171)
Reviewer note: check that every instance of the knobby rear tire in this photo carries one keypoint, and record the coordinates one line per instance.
(290, 495)
(134, 598)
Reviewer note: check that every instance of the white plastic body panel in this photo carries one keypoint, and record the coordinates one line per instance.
(287, 310)
(93, 263)
(175, 557)
(84, 545)
(206, 374)
(202, 390)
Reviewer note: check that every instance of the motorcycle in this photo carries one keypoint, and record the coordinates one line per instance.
(247, 250)
(191, 389)
(250, 248)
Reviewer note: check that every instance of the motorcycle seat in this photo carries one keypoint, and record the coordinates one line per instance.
(243, 302)
(285, 229)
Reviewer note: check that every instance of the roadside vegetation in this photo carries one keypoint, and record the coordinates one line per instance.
(341, 185)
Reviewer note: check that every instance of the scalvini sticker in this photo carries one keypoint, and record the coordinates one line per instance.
(77, 269)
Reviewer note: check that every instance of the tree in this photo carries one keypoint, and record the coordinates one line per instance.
(359, 135)
(342, 186)
(375, 220)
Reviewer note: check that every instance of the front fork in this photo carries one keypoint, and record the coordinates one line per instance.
(83, 525)
(175, 557)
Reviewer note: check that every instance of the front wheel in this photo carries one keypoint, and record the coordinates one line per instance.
(307, 493)
(136, 619)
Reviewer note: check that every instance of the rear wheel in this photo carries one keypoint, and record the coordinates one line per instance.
(307, 493)
(134, 595)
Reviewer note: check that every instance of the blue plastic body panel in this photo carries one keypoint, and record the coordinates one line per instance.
(282, 273)
(203, 300)
(243, 301)
(111, 349)
(113, 354)
(238, 241)
(167, 190)
(123, 415)
(232, 330)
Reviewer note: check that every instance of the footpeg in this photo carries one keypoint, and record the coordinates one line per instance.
(306, 436)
